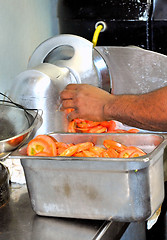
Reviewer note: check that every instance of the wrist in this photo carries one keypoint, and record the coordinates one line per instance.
(109, 109)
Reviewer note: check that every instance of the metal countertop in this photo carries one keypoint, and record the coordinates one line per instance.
(18, 222)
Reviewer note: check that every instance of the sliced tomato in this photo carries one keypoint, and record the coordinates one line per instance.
(120, 131)
(133, 130)
(89, 154)
(129, 152)
(43, 154)
(112, 126)
(78, 154)
(137, 153)
(84, 146)
(112, 153)
(98, 129)
(126, 153)
(50, 141)
(91, 124)
(97, 150)
(70, 144)
(109, 153)
(38, 145)
(72, 127)
(60, 150)
(82, 124)
(78, 120)
(61, 147)
(83, 130)
(115, 145)
(69, 151)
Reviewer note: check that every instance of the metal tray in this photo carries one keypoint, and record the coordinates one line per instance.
(98, 188)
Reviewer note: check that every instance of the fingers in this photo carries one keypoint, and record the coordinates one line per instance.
(72, 115)
(67, 104)
(67, 94)
(67, 97)
(71, 87)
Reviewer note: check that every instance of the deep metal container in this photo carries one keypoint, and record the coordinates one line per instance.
(120, 189)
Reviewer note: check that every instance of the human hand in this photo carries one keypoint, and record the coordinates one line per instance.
(87, 101)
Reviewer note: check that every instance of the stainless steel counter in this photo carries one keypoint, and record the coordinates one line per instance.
(18, 222)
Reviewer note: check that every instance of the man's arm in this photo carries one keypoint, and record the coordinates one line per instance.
(146, 111)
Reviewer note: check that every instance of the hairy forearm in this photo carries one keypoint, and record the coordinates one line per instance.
(146, 111)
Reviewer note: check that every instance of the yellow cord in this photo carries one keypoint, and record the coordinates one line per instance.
(96, 34)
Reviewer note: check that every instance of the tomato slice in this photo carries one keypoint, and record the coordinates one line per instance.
(91, 124)
(84, 146)
(69, 151)
(128, 152)
(78, 154)
(133, 130)
(50, 141)
(61, 145)
(98, 129)
(113, 144)
(83, 130)
(43, 154)
(89, 154)
(38, 145)
(72, 127)
(97, 150)
(109, 153)
(137, 153)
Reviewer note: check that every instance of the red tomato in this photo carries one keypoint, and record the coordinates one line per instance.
(109, 153)
(115, 145)
(91, 124)
(133, 130)
(98, 129)
(97, 150)
(38, 145)
(50, 141)
(84, 146)
(78, 154)
(137, 153)
(69, 151)
(43, 154)
(128, 152)
(61, 147)
(112, 153)
(78, 120)
(89, 154)
(72, 127)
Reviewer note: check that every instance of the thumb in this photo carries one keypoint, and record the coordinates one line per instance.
(72, 115)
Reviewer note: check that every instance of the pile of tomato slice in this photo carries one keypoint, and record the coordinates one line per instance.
(45, 145)
(85, 126)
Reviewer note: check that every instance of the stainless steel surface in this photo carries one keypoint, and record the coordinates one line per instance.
(18, 222)
(16, 126)
(92, 188)
(134, 70)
